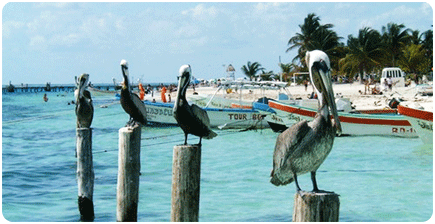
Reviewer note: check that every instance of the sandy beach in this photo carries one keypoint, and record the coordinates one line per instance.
(350, 91)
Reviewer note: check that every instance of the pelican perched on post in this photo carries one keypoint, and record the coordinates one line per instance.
(130, 102)
(303, 147)
(191, 118)
(84, 107)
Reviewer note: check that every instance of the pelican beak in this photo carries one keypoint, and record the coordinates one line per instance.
(322, 72)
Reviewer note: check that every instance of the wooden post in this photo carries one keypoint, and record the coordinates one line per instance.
(186, 173)
(85, 173)
(316, 207)
(128, 174)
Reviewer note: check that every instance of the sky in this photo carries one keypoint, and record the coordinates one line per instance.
(53, 42)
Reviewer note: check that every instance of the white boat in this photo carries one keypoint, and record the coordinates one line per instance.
(222, 118)
(421, 121)
(100, 92)
(234, 94)
(352, 123)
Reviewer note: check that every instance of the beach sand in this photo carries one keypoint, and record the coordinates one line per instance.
(350, 91)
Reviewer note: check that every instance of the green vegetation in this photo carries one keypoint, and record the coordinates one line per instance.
(251, 70)
(369, 52)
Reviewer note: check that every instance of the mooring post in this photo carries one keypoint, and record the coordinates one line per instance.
(85, 173)
(186, 173)
(127, 195)
(316, 207)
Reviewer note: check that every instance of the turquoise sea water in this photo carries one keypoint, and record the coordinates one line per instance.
(378, 178)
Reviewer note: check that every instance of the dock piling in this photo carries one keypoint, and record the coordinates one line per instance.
(186, 170)
(127, 196)
(316, 207)
(85, 173)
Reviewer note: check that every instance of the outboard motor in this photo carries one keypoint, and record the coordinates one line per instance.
(394, 103)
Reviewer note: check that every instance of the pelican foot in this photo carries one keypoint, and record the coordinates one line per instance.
(301, 193)
(132, 124)
(322, 191)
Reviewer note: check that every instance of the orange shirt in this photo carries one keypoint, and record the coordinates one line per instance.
(142, 91)
(163, 94)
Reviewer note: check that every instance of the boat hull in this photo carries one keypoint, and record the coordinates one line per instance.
(421, 121)
(352, 124)
(162, 114)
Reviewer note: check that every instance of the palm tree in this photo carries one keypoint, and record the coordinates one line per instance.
(267, 76)
(364, 52)
(415, 37)
(286, 69)
(394, 38)
(313, 36)
(414, 59)
(251, 69)
(303, 40)
(427, 42)
(424, 39)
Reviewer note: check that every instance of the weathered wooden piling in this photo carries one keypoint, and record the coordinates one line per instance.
(186, 173)
(128, 174)
(85, 173)
(316, 207)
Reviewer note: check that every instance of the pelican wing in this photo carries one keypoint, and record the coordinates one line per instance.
(286, 148)
(87, 94)
(140, 105)
(200, 114)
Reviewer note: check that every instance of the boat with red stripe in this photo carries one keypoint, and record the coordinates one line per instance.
(421, 121)
(356, 123)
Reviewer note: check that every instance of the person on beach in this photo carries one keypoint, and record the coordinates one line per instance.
(306, 84)
(45, 98)
(141, 92)
(366, 86)
(163, 92)
(390, 83)
(376, 90)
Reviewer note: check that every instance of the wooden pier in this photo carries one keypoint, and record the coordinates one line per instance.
(36, 88)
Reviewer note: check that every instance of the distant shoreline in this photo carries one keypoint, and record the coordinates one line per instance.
(72, 85)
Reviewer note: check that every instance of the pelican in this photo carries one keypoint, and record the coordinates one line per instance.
(191, 118)
(303, 147)
(130, 102)
(84, 108)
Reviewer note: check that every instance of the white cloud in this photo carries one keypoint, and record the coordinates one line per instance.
(38, 43)
(11, 26)
(202, 12)
(426, 9)
(189, 30)
(187, 45)
(45, 20)
(53, 4)
(270, 7)
(65, 40)
(343, 6)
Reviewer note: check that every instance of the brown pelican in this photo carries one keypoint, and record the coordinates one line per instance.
(130, 102)
(191, 118)
(84, 108)
(303, 147)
